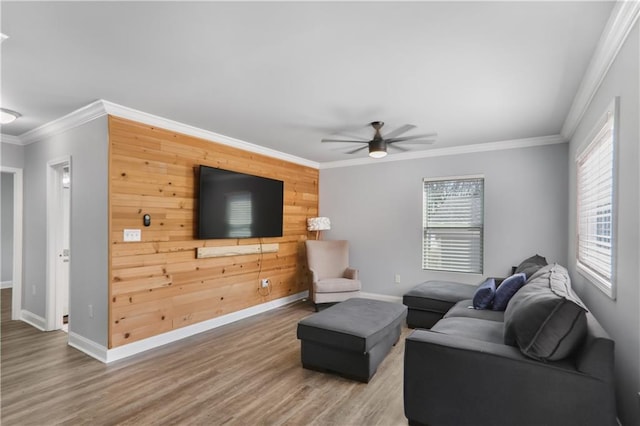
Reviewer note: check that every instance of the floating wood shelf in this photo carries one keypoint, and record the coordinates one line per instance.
(204, 252)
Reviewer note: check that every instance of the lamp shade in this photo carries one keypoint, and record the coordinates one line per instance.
(318, 224)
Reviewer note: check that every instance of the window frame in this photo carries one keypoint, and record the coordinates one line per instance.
(425, 227)
(607, 286)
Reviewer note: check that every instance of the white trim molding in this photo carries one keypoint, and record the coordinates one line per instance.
(105, 355)
(383, 297)
(102, 107)
(33, 320)
(6, 284)
(153, 120)
(455, 150)
(620, 23)
(16, 275)
(13, 140)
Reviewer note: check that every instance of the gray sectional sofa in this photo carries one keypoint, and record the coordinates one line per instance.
(545, 360)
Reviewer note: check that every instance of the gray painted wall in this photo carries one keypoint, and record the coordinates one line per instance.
(12, 155)
(378, 208)
(88, 147)
(619, 317)
(6, 227)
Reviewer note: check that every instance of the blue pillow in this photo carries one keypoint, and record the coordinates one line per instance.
(507, 289)
(483, 297)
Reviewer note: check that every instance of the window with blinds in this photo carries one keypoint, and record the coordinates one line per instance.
(453, 224)
(595, 204)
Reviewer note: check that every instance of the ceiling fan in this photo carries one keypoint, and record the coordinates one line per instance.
(378, 145)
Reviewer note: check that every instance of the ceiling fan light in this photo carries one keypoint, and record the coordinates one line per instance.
(377, 154)
(377, 148)
(7, 116)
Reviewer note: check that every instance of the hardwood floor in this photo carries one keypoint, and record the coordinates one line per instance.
(245, 373)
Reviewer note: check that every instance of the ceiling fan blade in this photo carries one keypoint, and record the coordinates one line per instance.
(400, 130)
(358, 149)
(353, 136)
(408, 138)
(413, 142)
(398, 148)
(342, 140)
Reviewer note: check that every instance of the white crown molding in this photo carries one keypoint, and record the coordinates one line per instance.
(13, 140)
(456, 150)
(102, 107)
(73, 119)
(153, 120)
(622, 19)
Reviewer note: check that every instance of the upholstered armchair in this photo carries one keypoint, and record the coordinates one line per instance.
(333, 280)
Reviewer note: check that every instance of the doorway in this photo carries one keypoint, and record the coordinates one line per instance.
(16, 243)
(58, 242)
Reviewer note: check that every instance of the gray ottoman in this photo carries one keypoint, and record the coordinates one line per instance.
(351, 338)
(429, 301)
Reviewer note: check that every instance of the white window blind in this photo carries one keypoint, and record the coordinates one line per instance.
(453, 225)
(595, 207)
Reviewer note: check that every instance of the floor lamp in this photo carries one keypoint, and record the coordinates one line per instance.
(318, 224)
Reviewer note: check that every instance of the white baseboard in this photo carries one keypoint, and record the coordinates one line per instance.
(87, 346)
(110, 355)
(383, 297)
(6, 284)
(33, 320)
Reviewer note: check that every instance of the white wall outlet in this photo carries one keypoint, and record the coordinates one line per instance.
(90, 311)
(397, 278)
(264, 283)
(33, 290)
(132, 235)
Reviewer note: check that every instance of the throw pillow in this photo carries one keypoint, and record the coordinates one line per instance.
(531, 265)
(506, 290)
(483, 297)
(546, 319)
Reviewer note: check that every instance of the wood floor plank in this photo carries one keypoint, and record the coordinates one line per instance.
(244, 373)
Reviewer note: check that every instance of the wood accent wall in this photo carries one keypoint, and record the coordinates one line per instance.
(158, 285)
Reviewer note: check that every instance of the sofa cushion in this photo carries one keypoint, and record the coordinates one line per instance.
(531, 265)
(483, 297)
(437, 296)
(464, 309)
(545, 319)
(471, 328)
(506, 290)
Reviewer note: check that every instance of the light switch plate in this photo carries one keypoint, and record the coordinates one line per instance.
(132, 235)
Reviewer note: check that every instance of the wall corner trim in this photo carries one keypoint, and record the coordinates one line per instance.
(621, 21)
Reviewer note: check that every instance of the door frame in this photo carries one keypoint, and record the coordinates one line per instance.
(53, 214)
(16, 292)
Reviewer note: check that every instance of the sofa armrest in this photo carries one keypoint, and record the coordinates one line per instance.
(351, 273)
(455, 380)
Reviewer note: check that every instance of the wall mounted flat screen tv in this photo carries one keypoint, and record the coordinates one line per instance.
(238, 205)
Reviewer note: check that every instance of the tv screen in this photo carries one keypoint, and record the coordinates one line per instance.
(238, 205)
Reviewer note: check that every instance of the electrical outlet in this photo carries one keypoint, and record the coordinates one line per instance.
(33, 290)
(264, 283)
(397, 278)
(132, 235)
(90, 311)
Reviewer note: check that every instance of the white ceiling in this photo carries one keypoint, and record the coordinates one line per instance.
(284, 75)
